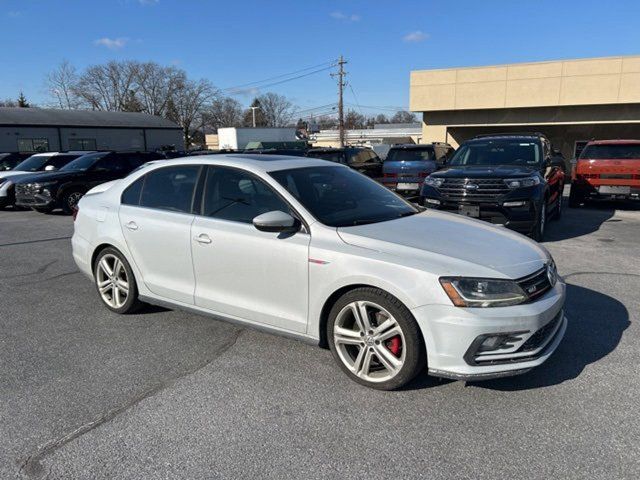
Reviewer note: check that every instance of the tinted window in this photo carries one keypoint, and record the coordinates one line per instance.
(337, 157)
(618, 151)
(498, 152)
(235, 195)
(59, 161)
(170, 188)
(410, 154)
(112, 163)
(131, 195)
(33, 163)
(85, 161)
(340, 197)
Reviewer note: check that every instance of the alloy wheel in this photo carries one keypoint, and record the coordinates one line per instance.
(112, 281)
(369, 341)
(73, 199)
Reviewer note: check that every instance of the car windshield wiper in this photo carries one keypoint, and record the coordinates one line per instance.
(406, 214)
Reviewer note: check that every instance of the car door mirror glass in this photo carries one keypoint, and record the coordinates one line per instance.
(276, 221)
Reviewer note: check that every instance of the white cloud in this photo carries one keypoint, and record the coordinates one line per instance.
(148, 2)
(415, 37)
(112, 43)
(345, 17)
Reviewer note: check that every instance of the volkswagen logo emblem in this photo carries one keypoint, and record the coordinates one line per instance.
(471, 186)
(552, 273)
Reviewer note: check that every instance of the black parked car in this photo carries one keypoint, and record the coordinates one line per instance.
(511, 179)
(63, 189)
(8, 161)
(361, 159)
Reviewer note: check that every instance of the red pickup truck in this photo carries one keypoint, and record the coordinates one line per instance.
(606, 169)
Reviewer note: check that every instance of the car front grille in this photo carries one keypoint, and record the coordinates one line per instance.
(540, 336)
(536, 284)
(26, 190)
(477, 189)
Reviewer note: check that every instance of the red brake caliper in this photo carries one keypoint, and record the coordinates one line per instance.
(394, 344)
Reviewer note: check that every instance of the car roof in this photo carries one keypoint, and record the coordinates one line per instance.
(336, 149)
(614, 142)
(503, 136)
(256, 163)
(412, 146)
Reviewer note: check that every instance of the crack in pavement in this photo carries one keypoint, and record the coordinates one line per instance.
(27, 242)
(32, 467)
(41, 269)
(620, 274)
(48, 279)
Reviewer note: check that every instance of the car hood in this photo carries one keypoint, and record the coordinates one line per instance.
(450, 244)
(11, 174)
(495, 171)
(47, 177)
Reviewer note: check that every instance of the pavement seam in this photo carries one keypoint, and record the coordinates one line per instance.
(27, 242)
(621, 274)
(31, 466)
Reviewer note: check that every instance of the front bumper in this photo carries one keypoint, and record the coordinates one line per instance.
(37, 200)
(521, 219)
(451, 336)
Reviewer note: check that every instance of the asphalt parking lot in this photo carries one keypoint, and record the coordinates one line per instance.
(164, 394)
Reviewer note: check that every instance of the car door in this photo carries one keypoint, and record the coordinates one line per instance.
(243, 272)
(155, 217)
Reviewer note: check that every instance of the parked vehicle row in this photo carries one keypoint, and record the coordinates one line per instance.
(317, 251)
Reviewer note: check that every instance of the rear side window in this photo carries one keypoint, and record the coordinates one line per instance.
(619, 151)
(131, 195)
(238, 196)
(169, 188)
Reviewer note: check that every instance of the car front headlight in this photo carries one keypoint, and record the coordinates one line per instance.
(433, 181)
(514, 183)
(40, 185)
(482, 292)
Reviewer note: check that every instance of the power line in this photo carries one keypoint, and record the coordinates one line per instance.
(327, 65)
(356, 98)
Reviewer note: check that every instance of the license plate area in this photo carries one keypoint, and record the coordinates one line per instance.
(614, 190)
(469, 210)
(408, 186)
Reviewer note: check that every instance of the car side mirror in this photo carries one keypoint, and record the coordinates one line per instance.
(49, 168)
(276, 221)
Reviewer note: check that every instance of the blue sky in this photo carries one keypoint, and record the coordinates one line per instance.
(241, 41)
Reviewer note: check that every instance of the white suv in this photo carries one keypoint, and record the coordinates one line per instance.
(317, 251)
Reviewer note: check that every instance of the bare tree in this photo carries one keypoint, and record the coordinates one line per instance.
(223, 112)
(277, 109)
(107, 87)
(61, 83)
(187, 105)
(7, 102)
(402, 116)
(255, 109)
(354, 120)
(156, 85)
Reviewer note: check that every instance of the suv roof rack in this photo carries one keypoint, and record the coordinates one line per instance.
(511, 134)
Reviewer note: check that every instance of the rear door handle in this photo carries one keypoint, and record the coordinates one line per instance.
(202, 238)
(132, 225)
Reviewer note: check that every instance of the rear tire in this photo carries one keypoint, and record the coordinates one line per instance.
(375, 339)
(115, 282)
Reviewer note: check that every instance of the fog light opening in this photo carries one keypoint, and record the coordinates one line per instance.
(492, 343)
(514, 204)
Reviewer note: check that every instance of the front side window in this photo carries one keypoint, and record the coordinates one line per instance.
(169, 188)
(341, 197)
(238, 196)
(59, 161)
(498, 152)
(618, 151)
(33, 163)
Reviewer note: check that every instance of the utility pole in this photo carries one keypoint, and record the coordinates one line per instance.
(253, 111)
(341, 84)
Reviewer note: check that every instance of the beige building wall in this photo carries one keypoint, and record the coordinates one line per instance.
(580, 95)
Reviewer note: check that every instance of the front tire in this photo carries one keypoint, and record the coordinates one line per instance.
(541, 223)
(375, 339)
(115, 282)
(45, 210)
(70, 200)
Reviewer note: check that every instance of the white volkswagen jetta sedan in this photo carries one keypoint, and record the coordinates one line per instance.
(314, 250)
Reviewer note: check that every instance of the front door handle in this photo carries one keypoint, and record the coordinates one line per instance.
(203, 238)
(132, 225)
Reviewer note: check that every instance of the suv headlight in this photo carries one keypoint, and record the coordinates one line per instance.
(40, 185)
(482, 292)
(514, 183)
(433, 181)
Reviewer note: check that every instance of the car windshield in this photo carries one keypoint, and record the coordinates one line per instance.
(33, 163)
(498, 152)
(337, 157)
(410, 155)
(341, 197)
(619, 151)
(84, 162)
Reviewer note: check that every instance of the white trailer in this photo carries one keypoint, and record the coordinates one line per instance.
(234, 138)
